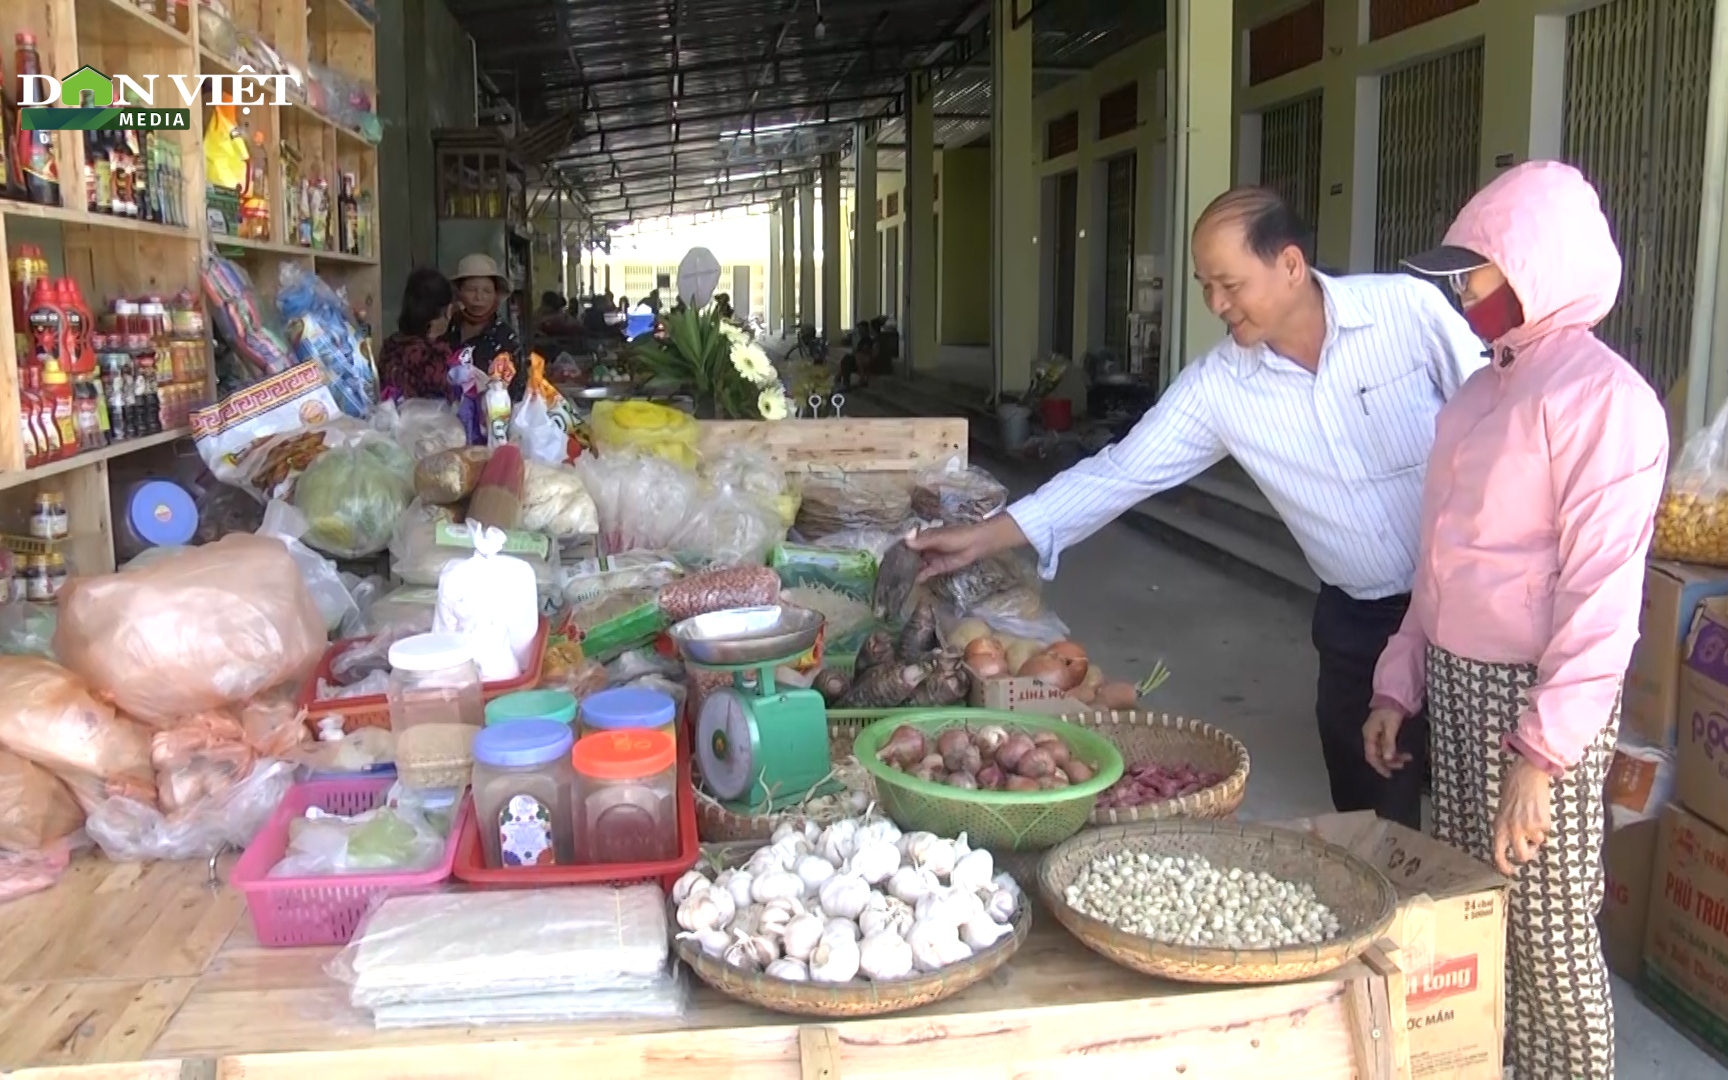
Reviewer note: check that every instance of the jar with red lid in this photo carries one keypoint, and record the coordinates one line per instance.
(626, 797)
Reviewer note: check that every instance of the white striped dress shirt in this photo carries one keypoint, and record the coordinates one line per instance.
(1340, 452)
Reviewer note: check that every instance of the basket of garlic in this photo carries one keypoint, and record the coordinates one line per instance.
(855, 919)
(1216, 902)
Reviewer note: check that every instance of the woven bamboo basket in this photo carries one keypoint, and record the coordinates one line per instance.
(860, 997)
(1172, 740)
(1359, 895)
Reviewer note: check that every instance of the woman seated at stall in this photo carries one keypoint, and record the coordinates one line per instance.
(415, 362)
(478, 325)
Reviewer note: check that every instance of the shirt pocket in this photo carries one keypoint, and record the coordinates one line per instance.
(1395, 423)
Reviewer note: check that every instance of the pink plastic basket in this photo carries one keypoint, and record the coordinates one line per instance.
(324, 910)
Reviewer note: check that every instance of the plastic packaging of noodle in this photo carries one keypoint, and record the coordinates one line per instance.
(478, 947)
(662, 1001)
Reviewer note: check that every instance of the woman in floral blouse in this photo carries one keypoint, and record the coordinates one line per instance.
(415, 362)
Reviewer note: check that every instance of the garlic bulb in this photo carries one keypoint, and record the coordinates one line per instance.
(999, 904)
(739, 886)
(813, 870)
(843, 896)
(884, 955)
(759, 950)
(801, 936)
(785, 829)
(838, 841)
(834, 961)
(776, 885)
(710, 909)
(893, 916)
(981, 931)
(693, 881)
(935, 945)
(912, 843)
(711, 942)
(879, 829)
(935, 854)
(972, 871)
(874, 860)
(764, 860)
(949, 905)
(845, 928)
(961, 846)
(912, 885)
(789, 969)
(775, 914)
(1006, 880)
(812, 832)
(790, 850)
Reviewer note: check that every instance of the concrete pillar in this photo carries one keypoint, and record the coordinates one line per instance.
(788, 313)
(773, 267)
(866, 252)
(807, 252)
(833, 250)
(1202, 132)
(1013, 200)
(918, 314)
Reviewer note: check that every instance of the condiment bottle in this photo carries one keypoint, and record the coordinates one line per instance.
(48, 519)
(37, 171)
(36, 579)
(55, 572)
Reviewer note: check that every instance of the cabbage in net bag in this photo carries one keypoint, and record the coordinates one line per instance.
(1692, 518)
(353, 494)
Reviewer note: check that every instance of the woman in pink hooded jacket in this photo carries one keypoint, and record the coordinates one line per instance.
(1536, 516)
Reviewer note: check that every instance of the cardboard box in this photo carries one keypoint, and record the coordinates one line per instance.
(1701, 758)
(1451, 928)
(1672, 591)
(1686, 947)
(1014, 694)
(1628, 862)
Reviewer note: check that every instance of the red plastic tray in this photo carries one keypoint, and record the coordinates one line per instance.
(470, 866)
(374, 709)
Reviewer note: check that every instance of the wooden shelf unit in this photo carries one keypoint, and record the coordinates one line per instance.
(114, 256)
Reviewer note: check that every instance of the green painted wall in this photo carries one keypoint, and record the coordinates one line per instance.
(965, 247)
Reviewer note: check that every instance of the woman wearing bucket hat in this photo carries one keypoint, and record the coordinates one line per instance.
(480, 291)
(1536, 516)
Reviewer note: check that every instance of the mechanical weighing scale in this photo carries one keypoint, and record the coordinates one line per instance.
(760, 746)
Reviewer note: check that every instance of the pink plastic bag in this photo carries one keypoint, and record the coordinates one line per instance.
(49, 716)
(194, 631)
(36, 809)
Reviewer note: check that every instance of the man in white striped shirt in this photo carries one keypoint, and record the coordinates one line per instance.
(1325, 392)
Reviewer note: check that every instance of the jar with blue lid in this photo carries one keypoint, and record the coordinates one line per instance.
(522, 790)
(628, 708)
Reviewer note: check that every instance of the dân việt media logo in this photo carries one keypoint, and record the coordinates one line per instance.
(88, 100)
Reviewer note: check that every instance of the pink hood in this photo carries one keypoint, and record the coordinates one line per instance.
(1542, 225)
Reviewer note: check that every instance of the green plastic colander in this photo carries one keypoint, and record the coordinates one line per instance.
(1000, 820)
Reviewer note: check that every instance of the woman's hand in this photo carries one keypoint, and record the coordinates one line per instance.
(1380, 742)
(1525, 818)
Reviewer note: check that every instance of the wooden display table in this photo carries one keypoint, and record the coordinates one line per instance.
(127, 971)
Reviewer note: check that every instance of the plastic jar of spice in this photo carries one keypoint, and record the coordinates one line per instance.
(626, 797)
(435, 709)
(522, 785)
(555, 705)
(629, 708)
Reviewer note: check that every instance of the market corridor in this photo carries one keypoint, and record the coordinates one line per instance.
(1240, 657)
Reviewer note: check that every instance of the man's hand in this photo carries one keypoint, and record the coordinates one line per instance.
(953, 547)
(1525, 818)
(1380, 742)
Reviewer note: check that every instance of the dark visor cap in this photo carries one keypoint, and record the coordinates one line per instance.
(1444, 261)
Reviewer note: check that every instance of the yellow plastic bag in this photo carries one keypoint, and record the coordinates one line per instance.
(646, 427)
(225, 153)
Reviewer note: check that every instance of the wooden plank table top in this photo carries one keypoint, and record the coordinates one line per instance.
(150, 971)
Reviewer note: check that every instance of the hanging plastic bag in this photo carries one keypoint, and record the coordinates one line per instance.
(194, 632)
(1692, 518)
(323, 580)
(956, 494)
(48, 715)
(36, 809)
(491, 600)
(321, 329)
(532, 429)
(353, 494)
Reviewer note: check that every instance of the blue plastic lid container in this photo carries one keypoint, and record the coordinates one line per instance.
(522, 744)
(628, 707)
(155, 513)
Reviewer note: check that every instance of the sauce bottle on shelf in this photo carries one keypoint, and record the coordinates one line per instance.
(37, 171)
(80, 358)
(6, 147)
(29, 265)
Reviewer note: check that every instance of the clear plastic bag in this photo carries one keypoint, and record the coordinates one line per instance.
(323, 580)
(1006, 583)
(640, 501)
(718, 590)
(49, 716)
(27, 629)
(1692, 518)
(420, 549)
(456, 947)
(532, 428)
(321, 329)
(753, 472)
(554, 502)
(836, 501)
(353, 494)
(954, 493)
(421, 426)
(726, 527)
(131, 831)
(666, 1000)
(389, 839)
(36, 809)
(194, 632)
(491, 600)
(449, 476)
